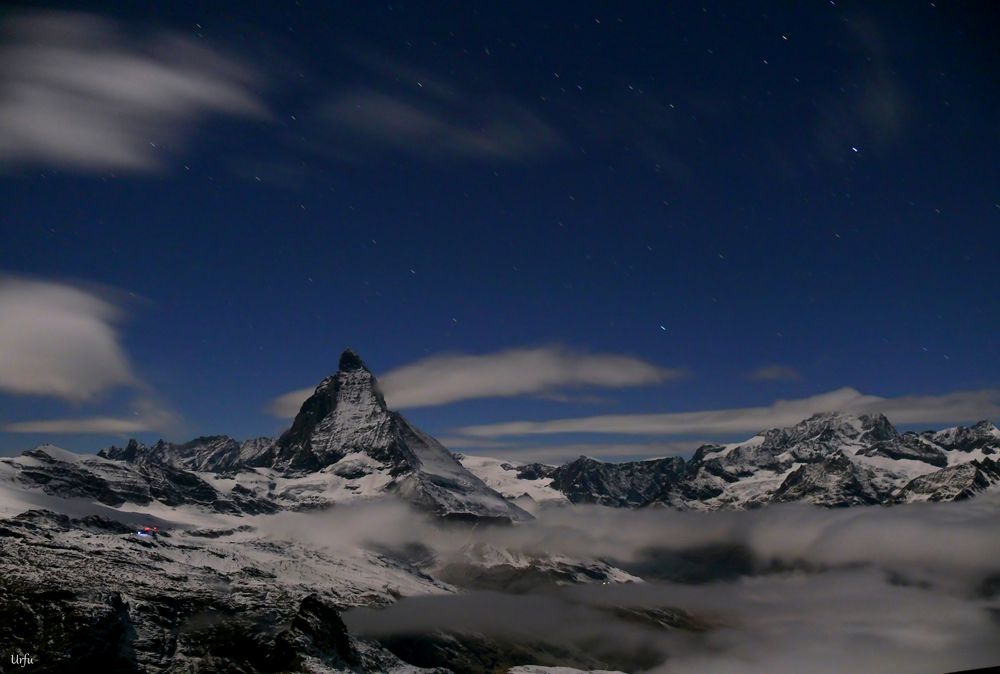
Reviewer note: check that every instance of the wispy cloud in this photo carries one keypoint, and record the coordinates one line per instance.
(440, 380)
(495, 128)
(558, 454)
(59, 340)
(404, 110)
(78, 92)
(774, 372)
(146, 415)
(949, 407)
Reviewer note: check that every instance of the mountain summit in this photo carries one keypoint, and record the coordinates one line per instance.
(346, 413)
(344, 444)
(345, 428)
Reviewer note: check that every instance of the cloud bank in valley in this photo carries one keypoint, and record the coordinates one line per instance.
(841, 621)
(444, 379)
(864, 589)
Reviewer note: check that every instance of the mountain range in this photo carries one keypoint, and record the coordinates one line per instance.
(829, 459)
(345, 445)
(229, 584)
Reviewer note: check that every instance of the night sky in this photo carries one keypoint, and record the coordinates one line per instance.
(740, 202)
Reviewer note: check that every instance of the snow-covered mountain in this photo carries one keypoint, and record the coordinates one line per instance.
(343, 445)
(828, 459)
(216, 453)
(223, 585)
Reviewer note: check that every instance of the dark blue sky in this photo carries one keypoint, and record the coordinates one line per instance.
(709, 187)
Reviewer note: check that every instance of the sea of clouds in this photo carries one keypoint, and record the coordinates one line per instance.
(880, 589)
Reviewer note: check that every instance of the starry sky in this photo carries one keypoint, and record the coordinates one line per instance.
(669, 222)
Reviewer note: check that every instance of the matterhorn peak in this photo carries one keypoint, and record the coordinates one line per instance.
(346, 410)
(350, 360)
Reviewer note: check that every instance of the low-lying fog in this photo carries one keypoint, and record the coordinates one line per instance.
(788, 588)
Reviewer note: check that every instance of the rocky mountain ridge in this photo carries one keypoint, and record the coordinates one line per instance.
(829, 459)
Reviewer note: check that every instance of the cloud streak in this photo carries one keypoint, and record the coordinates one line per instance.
(561, 453)
(146, 415)
(462, 128)
(77, 92)
(410, 112)
(440, 380)
(950, 407)
(774, 372)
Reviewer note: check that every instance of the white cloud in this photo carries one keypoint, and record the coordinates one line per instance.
(774, 372)
(61, 341)
(77, 92)
(146, 416)
(440, 380)
(58, 340)
(287, 405)
(950, 407)
(443, 379)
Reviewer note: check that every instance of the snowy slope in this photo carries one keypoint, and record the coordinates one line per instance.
(504, 477)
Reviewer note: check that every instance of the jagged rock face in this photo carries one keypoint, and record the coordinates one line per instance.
(983, 436)
(534, 471)
(835, 482)
(346, 413)
(66, 475)
(215, 453)
(909, 446)
(955, 483)
(629, 484)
